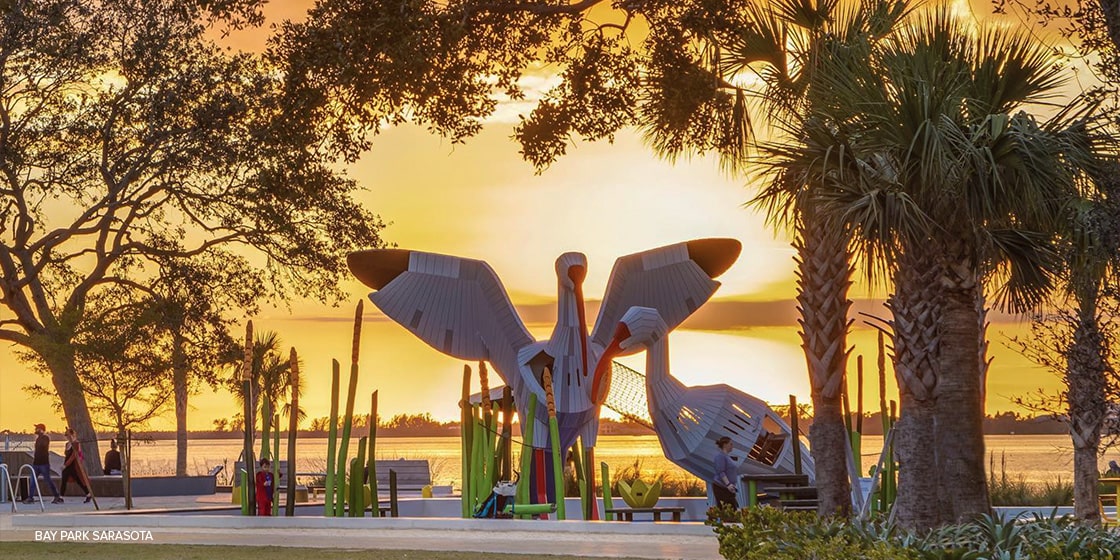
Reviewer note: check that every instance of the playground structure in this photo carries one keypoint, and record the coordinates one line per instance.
(459, 307)
(688, 420)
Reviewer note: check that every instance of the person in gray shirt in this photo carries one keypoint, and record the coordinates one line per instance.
(723, 483)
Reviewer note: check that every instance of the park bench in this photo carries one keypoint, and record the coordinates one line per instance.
(627, 513)
(412, 475)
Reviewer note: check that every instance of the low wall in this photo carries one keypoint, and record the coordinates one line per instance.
(147, 486)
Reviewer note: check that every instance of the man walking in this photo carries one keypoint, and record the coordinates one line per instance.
(41, 464)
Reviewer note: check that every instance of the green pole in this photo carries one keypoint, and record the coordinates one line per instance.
(332, 442)
(884, 484)
(608, 503)
(348, 420)
(507, 434)
(857, 434)
(485, 463)
(293, 427)
(478, 468)
(581, 479)
(554, 435)
(276, 466)
(266, 428)
(523, 480)
(247, 392)
(466, 431)
(244, 490)
(357, 481)
(492, 451)
(372, 466)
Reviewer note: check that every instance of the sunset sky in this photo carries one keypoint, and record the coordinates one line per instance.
(481, 200)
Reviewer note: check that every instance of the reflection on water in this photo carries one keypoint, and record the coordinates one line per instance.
(1036, 457)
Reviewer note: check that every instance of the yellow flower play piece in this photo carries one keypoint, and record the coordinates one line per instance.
(639, 494)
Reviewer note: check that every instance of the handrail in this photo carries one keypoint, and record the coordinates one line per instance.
(11, 489)
(33, 480)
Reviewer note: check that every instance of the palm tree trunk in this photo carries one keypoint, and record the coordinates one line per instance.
(958, 395)
(916, 308)
(824, 275)
(1086, 382)
(59, 358)
(179, 379)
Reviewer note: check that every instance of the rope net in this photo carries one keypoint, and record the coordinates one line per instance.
(627, 396)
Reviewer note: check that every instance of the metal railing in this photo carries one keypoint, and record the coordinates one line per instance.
(32, 480)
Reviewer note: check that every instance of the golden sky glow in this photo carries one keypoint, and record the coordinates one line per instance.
(481, 200)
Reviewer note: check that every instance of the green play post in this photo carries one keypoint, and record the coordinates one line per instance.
(348, 420)
(523, 480)
(581, 479)
(247, 416)
(332, 442)
(506, 448)
(276, 466)
(371, 467)
(244, 490)
(554, 436)
(608, 503)
(466, 430)
(293, 428)
(357, 481)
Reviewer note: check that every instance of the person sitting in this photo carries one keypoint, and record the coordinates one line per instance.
(112, 459)
(1113, 469)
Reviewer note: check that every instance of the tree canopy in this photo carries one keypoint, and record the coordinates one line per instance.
(128, 138)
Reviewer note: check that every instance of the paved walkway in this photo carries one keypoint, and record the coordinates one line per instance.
(593, 539)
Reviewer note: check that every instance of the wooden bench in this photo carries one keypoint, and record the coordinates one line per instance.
(627, 514)
(412, 474)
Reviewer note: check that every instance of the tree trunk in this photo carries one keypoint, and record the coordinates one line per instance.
(824, 275)
(1086, 383)
(916, 308)
(60, 360)
(959, 410)
(179, 373)
(916, 507)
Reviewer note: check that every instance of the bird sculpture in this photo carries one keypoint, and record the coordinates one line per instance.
(689, 420)
(459, 307)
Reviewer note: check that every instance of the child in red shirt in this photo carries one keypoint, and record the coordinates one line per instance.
(264, 488)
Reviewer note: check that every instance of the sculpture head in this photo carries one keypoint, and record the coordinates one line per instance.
(571, 269)
(641, 326)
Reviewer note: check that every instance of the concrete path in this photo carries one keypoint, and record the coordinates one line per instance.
(683, 541)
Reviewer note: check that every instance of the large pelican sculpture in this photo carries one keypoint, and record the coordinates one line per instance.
(688, 420)
(459, 307)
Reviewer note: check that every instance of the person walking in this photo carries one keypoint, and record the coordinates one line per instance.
(264, 488)
(41, 465)
(723, 483)
(72, 464)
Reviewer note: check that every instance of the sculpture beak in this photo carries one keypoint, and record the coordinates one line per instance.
(377, 267)
(601, 384)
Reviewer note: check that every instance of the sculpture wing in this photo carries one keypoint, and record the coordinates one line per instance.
(458, 306)
(675, 280)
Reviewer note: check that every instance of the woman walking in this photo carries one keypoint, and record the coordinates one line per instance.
(72, 463)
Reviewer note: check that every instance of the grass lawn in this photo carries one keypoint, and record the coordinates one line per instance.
(130, 551)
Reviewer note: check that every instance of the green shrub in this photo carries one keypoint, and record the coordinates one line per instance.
(771, 534)
(1008, 490)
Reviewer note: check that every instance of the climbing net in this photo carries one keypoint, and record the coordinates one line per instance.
(627, 396)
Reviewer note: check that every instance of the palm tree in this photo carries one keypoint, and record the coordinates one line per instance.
(786, 44)
(270, 383)
(939, 112)
(1090, 250)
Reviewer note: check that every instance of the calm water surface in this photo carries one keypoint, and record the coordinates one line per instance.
(1036, 457)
